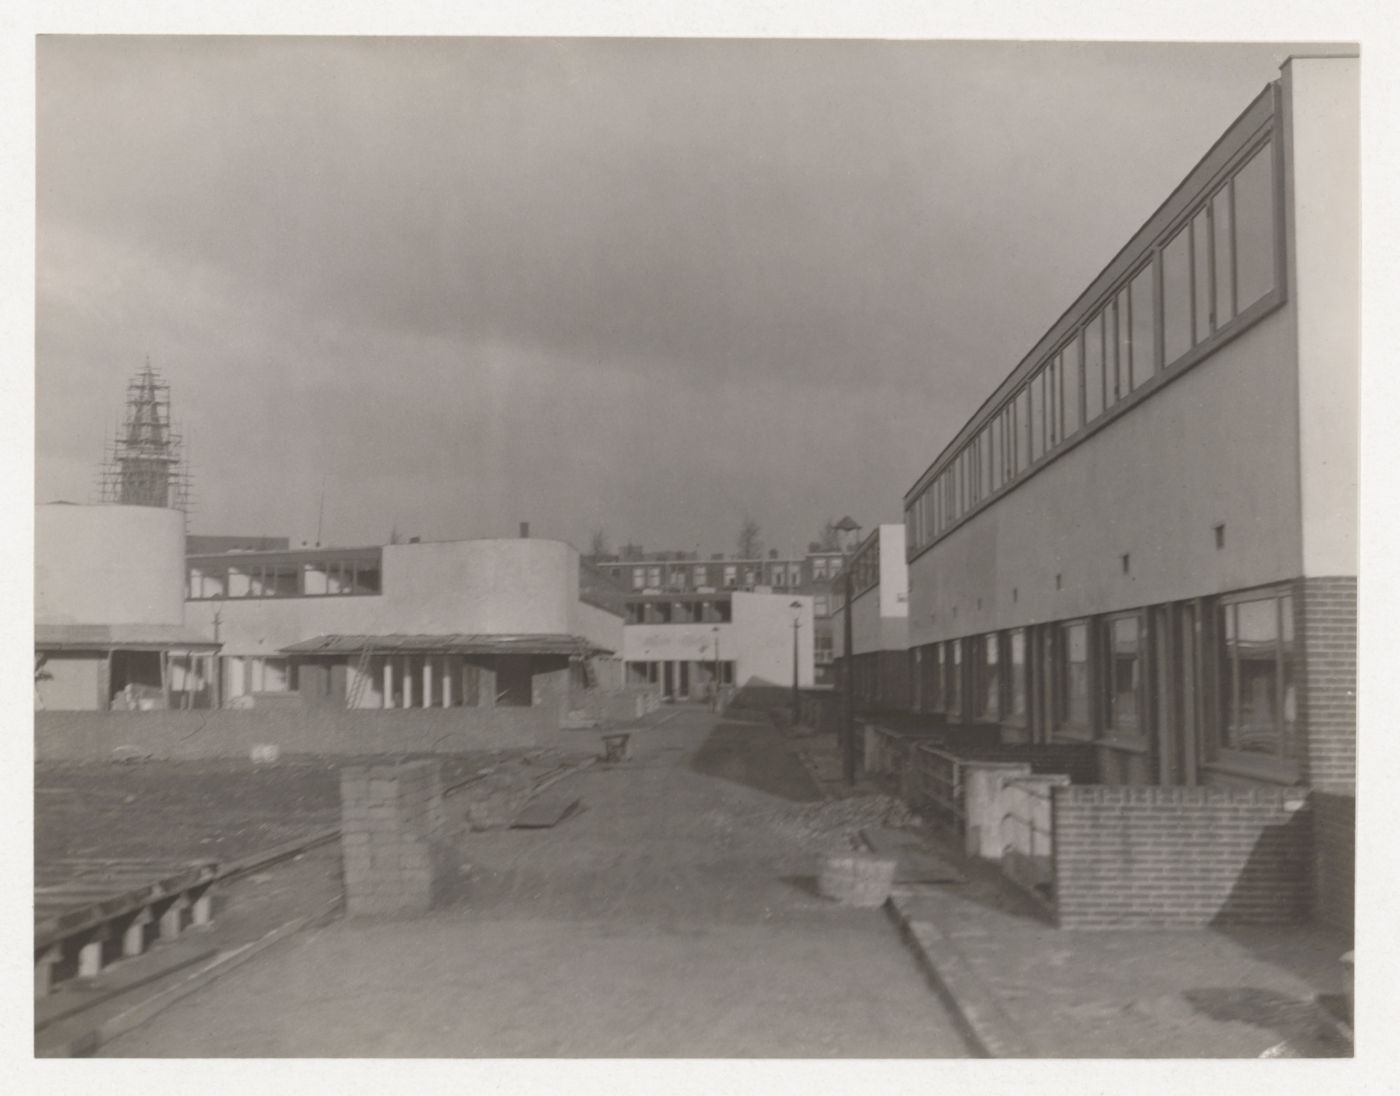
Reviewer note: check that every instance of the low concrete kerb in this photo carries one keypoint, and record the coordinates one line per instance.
(981, 1020)
(975, 1008)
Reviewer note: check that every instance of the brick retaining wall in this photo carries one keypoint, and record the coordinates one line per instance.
(93, 736)
(1334, 859)
(1180, 857)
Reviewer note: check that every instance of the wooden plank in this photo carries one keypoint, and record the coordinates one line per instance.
(545, 811)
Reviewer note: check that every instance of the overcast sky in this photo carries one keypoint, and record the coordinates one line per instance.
(643, 286)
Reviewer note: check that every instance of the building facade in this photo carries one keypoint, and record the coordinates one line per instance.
(879, 581)
(682, 588)
(689, 645)
(1145, 538)
(110, 630)
(480, 623)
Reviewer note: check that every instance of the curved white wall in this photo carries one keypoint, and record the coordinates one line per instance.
(108, 565)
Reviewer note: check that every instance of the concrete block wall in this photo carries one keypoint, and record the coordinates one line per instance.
(1334, 859)
(398, 853)
(1178, 857)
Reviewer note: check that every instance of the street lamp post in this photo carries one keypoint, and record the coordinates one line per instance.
(796, 608)
(718, 683)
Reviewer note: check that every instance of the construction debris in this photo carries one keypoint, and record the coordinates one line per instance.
(843, 818)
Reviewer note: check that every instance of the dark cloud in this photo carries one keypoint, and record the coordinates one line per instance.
(648, 285)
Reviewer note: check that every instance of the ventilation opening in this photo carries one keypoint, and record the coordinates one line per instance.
(1127, 563)
(1220, 535)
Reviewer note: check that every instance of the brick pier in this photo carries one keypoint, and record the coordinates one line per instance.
(397, 849)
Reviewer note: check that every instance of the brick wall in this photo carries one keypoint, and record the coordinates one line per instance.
(93, 736)
(1325, 623)
(1178, 857)
(394, 838)
(1334, 859)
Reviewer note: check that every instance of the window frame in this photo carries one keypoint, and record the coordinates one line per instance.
(1265, 138)
(1061, 725)
(1226, 684)
(1107, 730)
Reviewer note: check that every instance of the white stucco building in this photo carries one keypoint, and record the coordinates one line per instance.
(438, 624)
(109, 610)
(746, 640)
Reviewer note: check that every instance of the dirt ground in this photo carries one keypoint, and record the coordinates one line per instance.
(221, 809)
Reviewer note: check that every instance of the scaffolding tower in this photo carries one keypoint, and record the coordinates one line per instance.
(143, 464)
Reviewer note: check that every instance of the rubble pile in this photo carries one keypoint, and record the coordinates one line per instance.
(843, 818)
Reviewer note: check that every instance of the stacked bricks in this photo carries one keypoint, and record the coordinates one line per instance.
(1178, 857)
(1325, 621)
(394, 838)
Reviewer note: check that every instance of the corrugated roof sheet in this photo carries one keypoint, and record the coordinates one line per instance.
(456, 643)
(89, 637)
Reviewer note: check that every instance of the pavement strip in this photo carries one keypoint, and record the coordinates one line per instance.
(89, 1041)
(975, 1008)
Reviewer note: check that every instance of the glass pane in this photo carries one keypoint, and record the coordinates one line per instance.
(987, 483)
(1125, 669)
(1125, 346)
(1023, 424)
(1093, 369)
(955, 676)
(1144, 328)
(1200, 274)
(1255, 726)
(1254, 228)
(1037, 406)
(1224, 257)
(1290, 688)
(1069, 386)
(1008, 445)
(1176, 296)
(996, 452)
(991, 682)
(1018, 672)
(1076, 680)
(1052, 403)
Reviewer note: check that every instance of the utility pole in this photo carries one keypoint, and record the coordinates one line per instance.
(796, 608)
(718, 684)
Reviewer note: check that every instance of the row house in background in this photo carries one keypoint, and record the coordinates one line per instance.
(681, 588)
(879, 607)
